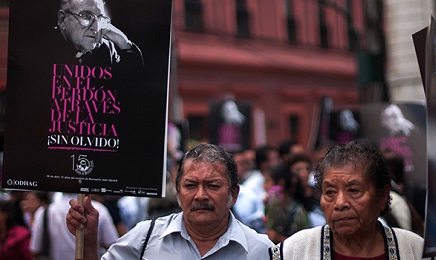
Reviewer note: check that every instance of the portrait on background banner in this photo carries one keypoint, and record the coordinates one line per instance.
(399, 127)
(86, 96)
(344, 126)
(230, 123)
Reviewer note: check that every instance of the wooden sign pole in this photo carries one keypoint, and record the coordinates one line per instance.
(79, 234)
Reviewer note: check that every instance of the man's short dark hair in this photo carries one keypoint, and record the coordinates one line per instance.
(285, 146)
(213, 154)
(262, 154)
(299, 157)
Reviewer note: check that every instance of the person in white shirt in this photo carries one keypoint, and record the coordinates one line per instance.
(62, 242)
(250, 207)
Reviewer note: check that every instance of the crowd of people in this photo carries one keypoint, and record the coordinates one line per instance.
(266, 203)
(343, 202)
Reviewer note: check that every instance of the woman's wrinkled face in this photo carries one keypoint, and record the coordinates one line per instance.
(350, 202)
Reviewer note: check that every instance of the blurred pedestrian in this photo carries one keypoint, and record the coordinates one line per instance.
(245, 160)
(14, 234)
(31, 202)
(111, 203)
(133, 210)
(289, 147)
(401, 212)
(300, 164)
(250, 207)
(61, 241)
(284, 210)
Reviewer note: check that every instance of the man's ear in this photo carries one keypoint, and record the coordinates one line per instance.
(235, 194)
(61, 19)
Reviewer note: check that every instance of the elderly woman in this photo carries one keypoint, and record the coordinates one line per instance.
(354, 186)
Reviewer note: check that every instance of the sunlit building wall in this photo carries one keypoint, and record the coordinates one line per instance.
(404, 18)
(283, 56)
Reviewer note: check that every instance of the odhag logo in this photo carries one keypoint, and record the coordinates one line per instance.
(21, 183)
(83, 166)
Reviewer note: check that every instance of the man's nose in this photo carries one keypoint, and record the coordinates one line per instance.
(101, 24)
(202, 193)
(95, 25)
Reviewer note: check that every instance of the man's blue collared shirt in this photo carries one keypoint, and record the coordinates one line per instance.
(170, 241)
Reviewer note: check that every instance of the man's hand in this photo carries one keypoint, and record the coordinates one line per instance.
(114, 35)
(84, 217)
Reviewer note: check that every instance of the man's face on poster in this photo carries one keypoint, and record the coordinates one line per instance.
(394, 121)
(81, 23)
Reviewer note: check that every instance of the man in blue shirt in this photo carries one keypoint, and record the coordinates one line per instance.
(207, 187)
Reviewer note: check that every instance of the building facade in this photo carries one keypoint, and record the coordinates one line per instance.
(405, 18)
(281, 56)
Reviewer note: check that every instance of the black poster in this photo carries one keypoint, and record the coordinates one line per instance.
(344, 125)
(230, 124)
(87, 96)
(400, 127)
(334, 125)
(430, 83)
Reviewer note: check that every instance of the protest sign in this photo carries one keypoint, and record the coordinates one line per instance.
(230, 124)
(430, 93)
(399, 127)
(87, 97)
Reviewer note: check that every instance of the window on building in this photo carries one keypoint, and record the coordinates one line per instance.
(193, 15)
(294, 126)
(353, 40)
(291, 22)
(242, 19)
(323, 29)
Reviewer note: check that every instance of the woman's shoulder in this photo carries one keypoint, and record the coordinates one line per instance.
(305, 243)
(304, 235)
(406, 234)
(410, 244)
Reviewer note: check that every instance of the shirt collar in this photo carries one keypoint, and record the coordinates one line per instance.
(234, 231)
(175, 226)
